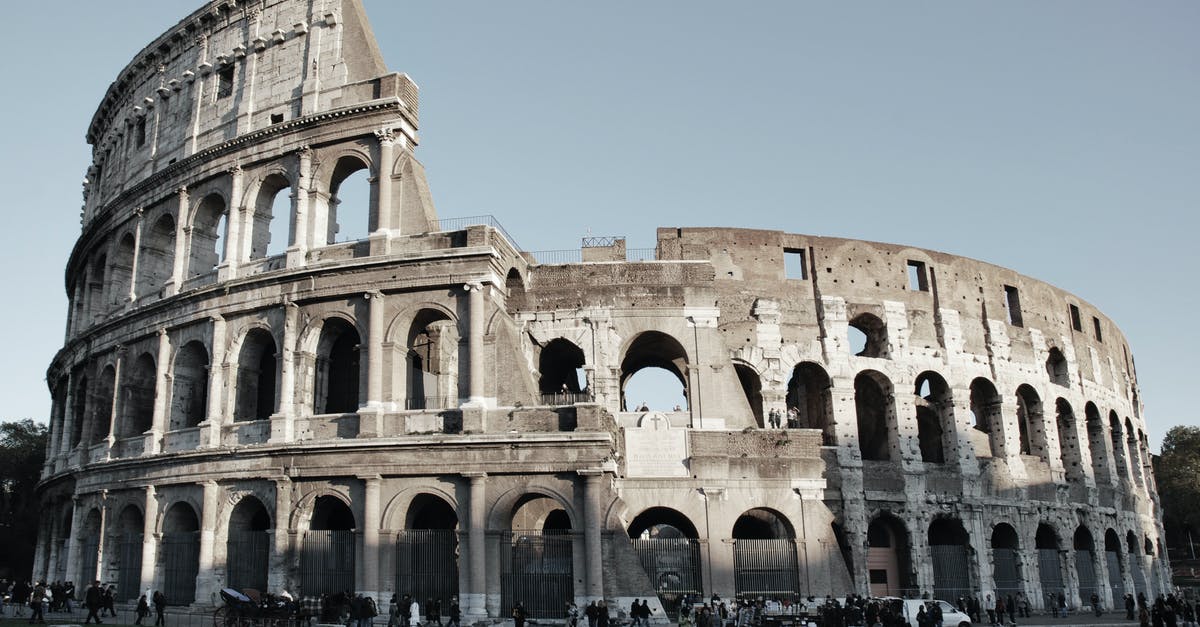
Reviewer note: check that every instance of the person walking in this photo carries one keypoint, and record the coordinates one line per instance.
(1096, 604)
(143, 610)
(160, 608)
(455, 613)
(93, 601)
(37, 603)
(1130, 606)
(572, 615)
(414, 613)
(518, 615)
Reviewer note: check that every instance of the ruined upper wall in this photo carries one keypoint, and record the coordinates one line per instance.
(228, 69)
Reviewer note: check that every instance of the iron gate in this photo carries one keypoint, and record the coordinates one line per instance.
(1085, 567)
(1115, 582)
(539, 573)
(327, 562)
(181, 564)
(1139, 575)
(766, 568)
(950, 575)
(1006, 572)
(427, 564)
(89, 556)
(673, 566)
(1050, 570)
(248, 554)
(129, 568)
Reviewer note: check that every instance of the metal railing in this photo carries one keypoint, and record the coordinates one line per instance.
(602, 242)
(564, 256)
(566, 398)
(641, 254)
(458, 224)
(431, 402)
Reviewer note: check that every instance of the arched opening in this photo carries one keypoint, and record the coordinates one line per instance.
(986, 407)
(256, 375)
(95, 294)
(873, 403)
(764, 556)
(248, 548)
(102, 407)
(121, 272)
(189, 387)
(1085, 564)
(336, 386)
(427, 551)
(668, 549)
(1029, 413)
(514, 289)
(130, 525)
(935, 418)
(1117, 439)
(90, 550)
(888, 563)
(868, 336)
(1097, 444)
(180, 554)
(538, 571)
(209, 228)
(327, 551)
(752, 388)
(272, 218)
(1136, 567)
(138, 401)
(654, 374)
(949, 545)
(1056, 368)
(1135, 454)
(432, 361)
(156, 262)
(810, 401)
(1068, 440)
(1006, 563)
(1116, 569)
(1049, 562)
(79, 416)
(562, 379)
(350, 216)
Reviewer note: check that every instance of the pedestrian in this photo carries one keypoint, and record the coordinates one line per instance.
(414, 613)
(635, 613)
(1095, 599)
(107, 597)
(518, 615)
(93, 601)
(143, 610)
(160, 608)
(572, 615)
(1130, 606)
(455, 613)
(1011, 604)
(1000, 609)
(20, 596)
(591, 612)
(602, 614)
(393, 611)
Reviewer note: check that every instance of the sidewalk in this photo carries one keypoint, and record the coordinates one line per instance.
(1074, 618)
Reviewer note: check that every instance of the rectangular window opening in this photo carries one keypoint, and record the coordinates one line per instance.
(276, 118)
(918, 278)
(1075, 323)
(1014, 305)
(794, 264)
(140, 133)
(225, 82)
(1096, 326)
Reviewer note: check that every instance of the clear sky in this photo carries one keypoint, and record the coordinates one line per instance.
(1060, 139)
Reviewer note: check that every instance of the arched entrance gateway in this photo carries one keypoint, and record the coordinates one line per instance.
(180, 554)
(1006, 566)
(538, 567)
(327, 550)
(1112, 558)
(1049, 562)
(668, 548)
(129, 551)
(247, 550)
(888, 557)
(948, 542)
(764, 556)
(1085, 565)
(427, 551)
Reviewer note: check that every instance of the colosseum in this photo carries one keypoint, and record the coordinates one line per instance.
(263, 387)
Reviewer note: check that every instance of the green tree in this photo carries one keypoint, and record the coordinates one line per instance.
(22, 452)
(1177, 470)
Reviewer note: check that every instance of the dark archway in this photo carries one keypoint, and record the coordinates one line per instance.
(810, 400)
(1049, 561)
(256, 376)
(336, 386)
(1116, 569)
(538, 568)
(130, 528)
(949, 545)
(1068, 440)
(1056, 368)
(209, 226)
(752, 388)
(427, 550)
(1097, 444)
(986, 406)
(156, 263)
(1029, 414)
(668, 549)
(180, 554)
(138, 397)
(327, 551)
(432, 361)
(868, 336)
(561, 378)
(270, 226)
(1085, 564)
(654, 349)
(935, 418)
(764, 556)
(889, 568)
(874, 406)
(1006, 562)
(248, 547)
(189, 386)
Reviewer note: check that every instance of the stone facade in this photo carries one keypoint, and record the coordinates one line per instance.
(229, 407)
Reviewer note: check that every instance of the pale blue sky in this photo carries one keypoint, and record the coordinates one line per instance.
(1060, 139)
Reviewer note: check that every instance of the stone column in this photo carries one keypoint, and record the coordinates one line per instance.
(162, 387)
(179, 267)
(137, 254)
(592, 526)
(150, 539)
(52, 553)
(475, 343)
(40, 550)
(280, 561)
(206, 579)
(387, 141)
(235, 215)
(371, 547)
(283, 423)
(74, 546)
(370, 415)
(115, 406)
(210, 434)
(103, 548)
(474, 600)
(297, 253)
(69, 417)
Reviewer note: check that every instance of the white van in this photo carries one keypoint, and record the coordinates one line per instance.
(951, 617)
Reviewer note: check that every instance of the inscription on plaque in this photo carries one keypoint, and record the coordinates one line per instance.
(654, 449)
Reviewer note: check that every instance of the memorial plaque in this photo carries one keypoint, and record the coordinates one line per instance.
(654, 449)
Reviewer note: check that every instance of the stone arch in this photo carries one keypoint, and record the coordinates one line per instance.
(427, 550)
(1097, 443)
(1030, 413)
(1117, 440)
(344, 223)
(751, 384)
(810, 400)
(90, 533)
(336, 374)
(1085, 564)
(127, 537)
(936, 431)
(209, 234)
(662, 522)
(180, 549)
(189, 386)
(120, 273)
(762, 523)
(256, 394)
(1050, 566)
(875, 408)
(156, 261)
(395, 512)
(102, 409)
(247, 544)
(1056, 368)
(1006, 562)
(889, 556)
(1135, 454)
(654, 349)
(137, 388)
(500, 515)
(1116, 566)
(300, 519)
(869, 332)
(431, 359)
(560, 362)
(95, 287)
(950, 546)
(267, 225)
(764, 554)
(1068, 440)
(987, 408)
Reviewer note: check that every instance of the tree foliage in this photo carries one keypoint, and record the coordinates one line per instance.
(22, 452)
(1177, 470)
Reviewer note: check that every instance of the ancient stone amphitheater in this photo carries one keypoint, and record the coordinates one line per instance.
(265, 387)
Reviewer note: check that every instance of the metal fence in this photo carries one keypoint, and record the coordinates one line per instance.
(248, 559)
(427, 564)
(766, 568)
(950, 571)
(458, 224)
(539, 573)
(1085, 567)
(89, 553)
(1115, 581)
(1139, 575)
(327, 562)
(181, 564)
(641, 254)
(1050, 569)
(673, 565)
(566, 398)
(129, 568)
(1006, 572)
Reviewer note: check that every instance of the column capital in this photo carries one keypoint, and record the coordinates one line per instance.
(385, 135)
(376, 478)
(373, 295)
(475, 476)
